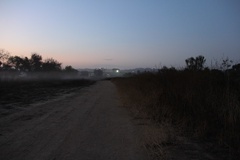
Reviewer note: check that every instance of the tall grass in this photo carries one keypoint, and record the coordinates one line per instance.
(201, 104)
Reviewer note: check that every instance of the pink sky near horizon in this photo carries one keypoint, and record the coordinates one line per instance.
(121, 34)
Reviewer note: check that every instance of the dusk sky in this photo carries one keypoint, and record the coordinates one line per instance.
(121, 33)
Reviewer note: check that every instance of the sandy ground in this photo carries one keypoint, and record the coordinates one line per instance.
(87, 125)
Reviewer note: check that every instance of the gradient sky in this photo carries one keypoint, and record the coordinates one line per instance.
(121, 33)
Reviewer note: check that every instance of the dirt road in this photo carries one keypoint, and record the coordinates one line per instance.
(87, 125)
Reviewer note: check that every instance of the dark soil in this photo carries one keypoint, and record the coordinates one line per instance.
(16, 95)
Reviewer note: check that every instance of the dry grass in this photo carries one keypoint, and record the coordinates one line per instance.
(156, 137)
(202, 104)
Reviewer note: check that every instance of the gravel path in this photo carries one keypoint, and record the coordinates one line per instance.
(87, 125)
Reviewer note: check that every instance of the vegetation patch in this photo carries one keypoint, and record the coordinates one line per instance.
(196, 102)
(17, 94)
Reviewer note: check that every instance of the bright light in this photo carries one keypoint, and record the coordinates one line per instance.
(117, 71)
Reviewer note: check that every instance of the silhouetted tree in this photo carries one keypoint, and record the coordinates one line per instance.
(200, 61)
(16, 62)
(6, 67)
(36, 62)
(195, 63)
(236, 67)
(226, 64)
(51, 65)
(4, 55)
(26, 64)
(70, 69)
(190, 62)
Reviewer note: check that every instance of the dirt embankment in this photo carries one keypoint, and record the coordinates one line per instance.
(85, 125)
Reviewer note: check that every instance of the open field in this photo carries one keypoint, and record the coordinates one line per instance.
(16, 95)
(194, 111)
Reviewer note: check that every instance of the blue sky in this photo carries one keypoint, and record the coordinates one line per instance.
(121, 33)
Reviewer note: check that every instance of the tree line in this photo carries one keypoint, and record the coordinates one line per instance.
(33, 64)
(198, 64)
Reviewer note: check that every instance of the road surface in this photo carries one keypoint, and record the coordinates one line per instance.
(88, 125)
